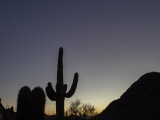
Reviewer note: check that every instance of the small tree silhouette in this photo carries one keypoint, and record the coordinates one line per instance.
(83, 110)
(75, 107)
(61, 88)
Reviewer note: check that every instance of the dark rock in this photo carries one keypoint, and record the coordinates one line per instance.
(140, 102)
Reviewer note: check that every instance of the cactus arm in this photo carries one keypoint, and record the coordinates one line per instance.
(50, 92)
(73, 87)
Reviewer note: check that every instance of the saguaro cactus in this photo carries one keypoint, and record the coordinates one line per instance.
(30, 104)
(23, 104)
(37, 104)
(61, 88)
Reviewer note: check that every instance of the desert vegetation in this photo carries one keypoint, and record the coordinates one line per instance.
(139, 102)
(83, 110)
(30, 104)
(61, 88)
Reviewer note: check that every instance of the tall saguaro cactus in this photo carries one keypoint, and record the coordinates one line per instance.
(61, 88)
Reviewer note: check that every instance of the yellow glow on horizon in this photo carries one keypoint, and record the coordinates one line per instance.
(50, 107)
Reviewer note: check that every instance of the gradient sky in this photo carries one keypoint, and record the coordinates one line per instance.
(109, 43)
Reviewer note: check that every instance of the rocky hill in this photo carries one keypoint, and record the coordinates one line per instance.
(141, 101)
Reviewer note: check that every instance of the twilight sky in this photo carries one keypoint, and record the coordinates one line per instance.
(109, 43)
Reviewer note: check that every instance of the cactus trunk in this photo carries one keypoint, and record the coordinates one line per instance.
(61, 88)
(60, 108)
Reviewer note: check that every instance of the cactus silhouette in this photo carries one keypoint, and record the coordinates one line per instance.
(23, 104)
(61, 88)
(30, 104)
(37, 104)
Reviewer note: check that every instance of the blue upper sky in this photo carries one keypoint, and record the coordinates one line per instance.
(109, 43)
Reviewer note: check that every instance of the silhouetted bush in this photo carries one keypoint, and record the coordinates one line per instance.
(82, 110)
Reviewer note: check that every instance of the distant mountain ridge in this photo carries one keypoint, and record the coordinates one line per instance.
(141, 101)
